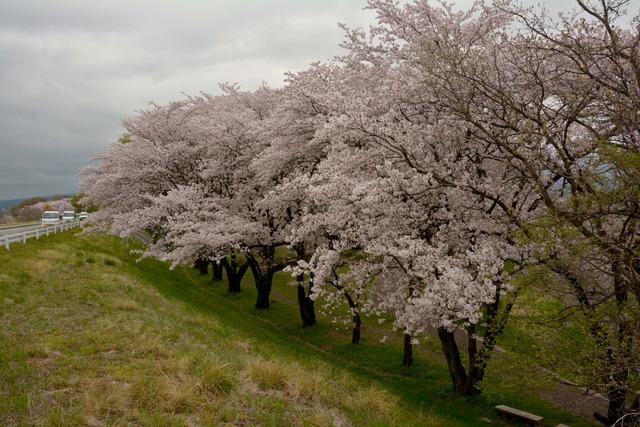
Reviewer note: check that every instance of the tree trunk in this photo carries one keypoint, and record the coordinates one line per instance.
(495, 320)
(263, 281)
(216, 275)
(614, 369)
(264, 291)
(617, 398)
(476, 371)
(461, 383)
(305, 303)
(307, 308)
(620, 357)
(407, 357)
(233, 283)
(355, 334)
(234, 273)
(202, 265)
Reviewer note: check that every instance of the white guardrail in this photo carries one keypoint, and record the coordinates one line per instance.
(37, 232)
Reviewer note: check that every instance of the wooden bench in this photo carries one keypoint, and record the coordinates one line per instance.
(516, 414)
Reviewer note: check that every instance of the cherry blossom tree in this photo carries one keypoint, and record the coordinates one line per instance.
(424, 261)
(290, 159)
(220, 211)
(389, 175)
(161, 155)
(168, 147)
(556, 102)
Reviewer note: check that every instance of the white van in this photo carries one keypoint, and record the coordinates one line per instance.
(83, 216)
(50, 218)
(68, 216)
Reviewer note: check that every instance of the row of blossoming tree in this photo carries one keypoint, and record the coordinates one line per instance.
(445, 153)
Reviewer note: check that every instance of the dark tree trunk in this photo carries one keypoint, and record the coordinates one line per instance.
(476, 372)
(619, 357)
(307, 308)
(263, 281)
(234, 272)
(264, 291)
(461, 382)
(305, 303)
(407, 357)
(635, 402)
(233, 283)
(355, 334)
(202, 265)
(495, 320)
(216, 275)
(407, 353)
(617, 398)
(613, 367)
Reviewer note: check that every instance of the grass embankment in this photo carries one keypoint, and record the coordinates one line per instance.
(91, 337)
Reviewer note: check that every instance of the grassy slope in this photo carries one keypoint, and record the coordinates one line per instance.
(91, 337)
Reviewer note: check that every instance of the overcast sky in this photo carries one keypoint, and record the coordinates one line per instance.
(71, 70)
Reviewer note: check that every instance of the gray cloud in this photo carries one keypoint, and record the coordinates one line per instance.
(71, 70)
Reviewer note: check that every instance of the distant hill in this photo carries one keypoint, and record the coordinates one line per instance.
(7, 204)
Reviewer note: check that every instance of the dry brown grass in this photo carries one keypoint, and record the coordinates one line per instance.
(97, 343)
(268, 374)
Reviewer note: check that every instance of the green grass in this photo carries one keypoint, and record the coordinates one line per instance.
(91, 337)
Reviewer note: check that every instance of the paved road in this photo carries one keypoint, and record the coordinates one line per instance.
(13, 229)
(16, 229)
(19, 224)
(11, 235)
